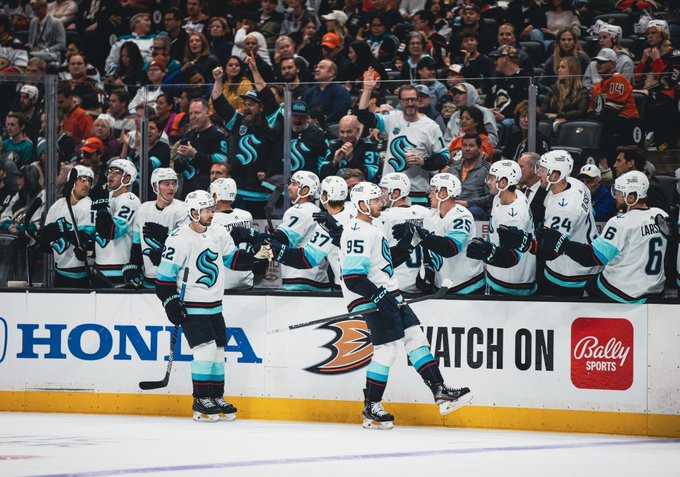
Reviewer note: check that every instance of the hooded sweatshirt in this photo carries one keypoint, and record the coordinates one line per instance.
(453, 127)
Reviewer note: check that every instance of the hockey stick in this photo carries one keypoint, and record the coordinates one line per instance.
(434, 296)
(147, 385)
(269, 207)
(667, 228)
(67, 196)
(35, 205)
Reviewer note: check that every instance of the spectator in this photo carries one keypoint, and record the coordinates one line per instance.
(90, 154)
(632, 158)
(330, 97)
(517, 143)
(119, 102)
(296, 16)
(255, 45)
(510, 86)
(28, 98)
(140, 26)
(102, 129)
(220, 46)
(96, 21)
(165, 113)
(506, 36)
(77, 123)
(46, 34)
(74, 48)
(8, 182)
(427, 74)
(566, 46)
(172, 21)
(308, 41)
(159, 151)
(10, 47)
(439, 11)
(415, 51)
(470, 18)
(472, 172)
(151, 91)
(360, 59)
(382, 43)
(290, 74)
(332, 49)
(529, 182)
(609, 37)
(17, 145)
(657, 76)
(476, 66)
(352, 177)
(236, 84)
(387, 10)
(285, 48)
(129, 72)
(161, 47)
(196, 21)
(436, 45)
(64, 11)
(351, 151)
(426, 102)
(85, 90)
(471, 122)
(559, 16)
(308, 143)
(567, 99)
(30, 184)
(335, 23)
(270, 21)
(604, 206)
(197, 54)
(454, 76)
(465, 95)
(219, 170)
(528, 18)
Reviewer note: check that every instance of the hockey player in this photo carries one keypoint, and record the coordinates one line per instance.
(370, 286)
(567, 208)
(445, 234)
(114, 212)
(508, 272)
(155, 219)
(397, 186)
(631, 249)
(224, 192)
(58, 232)
(204, 250)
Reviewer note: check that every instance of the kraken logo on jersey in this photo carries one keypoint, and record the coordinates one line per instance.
(247, 145)
(436, 261)
(350, 349)
(101, 241)
(297, 155)
(399, 148)
(189, 172)
(60, 245)
(153, 245)
(389, 268)
(206, 264)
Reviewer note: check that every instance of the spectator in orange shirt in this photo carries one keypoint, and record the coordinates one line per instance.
(77, 123)
(471, 122)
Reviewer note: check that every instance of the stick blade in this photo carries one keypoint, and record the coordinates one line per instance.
(149, 385)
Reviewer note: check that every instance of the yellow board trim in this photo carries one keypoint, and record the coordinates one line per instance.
(310, 410)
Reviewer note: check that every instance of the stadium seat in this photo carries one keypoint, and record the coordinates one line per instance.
(582, 139)
(332, 131)
(624, 20)
(633, 46)
(639, 132)
(392, 99)
(545, 128)
(535, 51)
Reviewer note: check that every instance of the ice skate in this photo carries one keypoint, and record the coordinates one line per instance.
(205, 410)
(227, 412)
(449, 399)
(375, 417)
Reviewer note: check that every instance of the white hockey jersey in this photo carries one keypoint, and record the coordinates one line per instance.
(233, 279)
(364, 250)
(299, 226)
(65, 261)
(520, 279)
(570, 212)
(407, 272)
(112, 255)
(171, 217)
(458, 225)
(633, 250)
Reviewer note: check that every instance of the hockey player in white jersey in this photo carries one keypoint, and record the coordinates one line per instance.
(508, 272)
(369, 285)
(396, 186)
(445, 234)
(631, 248)
(414, 142)
(224, 193)
(114, 210)
(205, 251)
(57, 235)
(155, 219)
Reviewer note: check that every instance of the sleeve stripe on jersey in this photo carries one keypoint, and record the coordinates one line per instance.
(603, 251)
(231, 260)
(313, 255)
(136, 238)
(121, 227)
(356, 266)
(293, 237)
(167, 271)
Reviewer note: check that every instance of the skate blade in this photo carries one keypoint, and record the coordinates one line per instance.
(447, 407)
(228, 417)
(381, 426)
(200, 417)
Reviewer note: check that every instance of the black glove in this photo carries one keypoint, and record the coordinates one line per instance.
(384, 301)
(175, 310)
(479, 249)
(70, 183)
(154, 255)
(242, 234)
(514, 238)
(133, 275)
(422, 232)
(155, 231)
(80, 253)
(279, 250)
(328, 221)
(553, 241)
(99, 195)
(54, 231)
(405, 231)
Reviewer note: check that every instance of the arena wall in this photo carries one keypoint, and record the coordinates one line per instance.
(577, 367)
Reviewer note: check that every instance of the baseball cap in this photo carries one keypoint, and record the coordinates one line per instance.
(454, 68)
(330, 40)
(460, 87)
(506, 50)
(606, 54)
(252, 94)
(92, 145)
(426, 62)
(337, 15)
(299, 108)
(159, 61)
(30, 90)
(589, 170)
(424, 90)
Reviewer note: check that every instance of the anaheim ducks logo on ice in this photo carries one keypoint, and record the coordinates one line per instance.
(350, 349)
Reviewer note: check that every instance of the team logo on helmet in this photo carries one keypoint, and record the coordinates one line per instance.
(351, 348)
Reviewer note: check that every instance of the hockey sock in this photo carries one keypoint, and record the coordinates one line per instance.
(201, 378)
(376, 381)
(218, 378)
(423, 361)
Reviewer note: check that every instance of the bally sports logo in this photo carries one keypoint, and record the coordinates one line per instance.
(602, 353)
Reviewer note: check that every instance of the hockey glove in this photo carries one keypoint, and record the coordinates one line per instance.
(278, 250)
(242, 234)
(133, 275)
(329, 223)
(422, 232)
(99, 195)
(70, 183)
(479, 249)
(80, 253)
(262, 251)
(514, 238)
(175, 310)
(154, 255)
(403, 231)
(553, 241)
(155, 232)
(384, 301)
(54, 231)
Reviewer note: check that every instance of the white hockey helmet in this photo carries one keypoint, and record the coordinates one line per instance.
(446, 181)
(613, 30)
(84, 171)
(396, 181)
(224, 189)
(632, 182)
(162, 174)
(305, 179)
(128, 169)
(365, 192)
(505, 169)
(556, 161)
(335, 188)
(197, 201)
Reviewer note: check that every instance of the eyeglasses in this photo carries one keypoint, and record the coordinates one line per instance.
(159, 48)
(408, 100)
